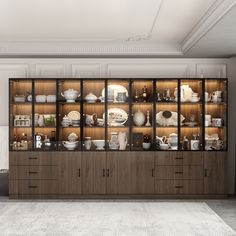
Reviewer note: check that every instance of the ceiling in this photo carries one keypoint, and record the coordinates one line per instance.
(182, 28)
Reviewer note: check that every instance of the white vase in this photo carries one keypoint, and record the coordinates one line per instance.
(139, 118)
(122, 139)
(41, 121)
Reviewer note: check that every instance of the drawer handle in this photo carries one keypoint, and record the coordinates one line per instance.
(179, 186)
(152, 172)
(33, 172)
(103, 172)
(179, 172)
(179, 158)
(33, 186)
(108, 172)
(33, 158)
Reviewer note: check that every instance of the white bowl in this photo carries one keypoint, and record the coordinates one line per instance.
(99, 144)
(70, 145)
(164, 146)
(146, 146)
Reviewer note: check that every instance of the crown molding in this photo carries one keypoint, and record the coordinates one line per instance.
(215, 13)
(88, 49)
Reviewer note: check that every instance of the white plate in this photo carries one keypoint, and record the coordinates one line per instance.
(74, 115)
(116, 116)
(112, 91)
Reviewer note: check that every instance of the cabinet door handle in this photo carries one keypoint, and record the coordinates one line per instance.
(152, 172)
(108, 172)
(33, 186)
(205, 172)
(33, 158)
(179, 158)
(33, 172)
(103, 172)
(179, 186)
(179, 172)
(78, 172)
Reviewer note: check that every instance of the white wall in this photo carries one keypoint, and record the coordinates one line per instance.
(110, 68)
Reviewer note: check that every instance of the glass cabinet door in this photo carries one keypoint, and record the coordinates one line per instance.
(94, 135)
(69, 108)
(191, 114)
(20, 120)
(142, 110)
(45, 114)
(215, 114)
(166, 114)
(118, 96)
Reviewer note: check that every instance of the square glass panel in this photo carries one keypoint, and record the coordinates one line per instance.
(166, 115)
(216, 114)
(142, 110)
(20, 119)
(191, 112)
(94, 135)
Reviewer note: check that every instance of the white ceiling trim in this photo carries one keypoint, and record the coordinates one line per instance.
(215, 13)
(76, 49)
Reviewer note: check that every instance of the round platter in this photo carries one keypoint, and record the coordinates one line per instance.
(74, 115)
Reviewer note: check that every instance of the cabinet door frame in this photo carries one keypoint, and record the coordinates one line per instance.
(94, 172)
(215, 164)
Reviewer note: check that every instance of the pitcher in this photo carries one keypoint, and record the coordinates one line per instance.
(122, 139)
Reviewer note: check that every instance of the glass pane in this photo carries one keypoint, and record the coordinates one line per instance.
(142, 115)
(69, 115)
(166, 115)
(118, 115)
(21, 115)
(216, 114)
(94, 115)
(45, 114)
(191, 137)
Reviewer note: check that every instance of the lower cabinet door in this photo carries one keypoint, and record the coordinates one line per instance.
(70, 172)
(215, 172)
(94, 172)
(130, 172)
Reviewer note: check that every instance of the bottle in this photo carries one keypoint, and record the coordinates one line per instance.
(185, 143)
(136, 96)
(144, 94)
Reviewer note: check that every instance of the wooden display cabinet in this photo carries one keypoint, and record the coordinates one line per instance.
(139, 169)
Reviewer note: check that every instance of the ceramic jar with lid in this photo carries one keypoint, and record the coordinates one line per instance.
(70, 95)
(91, 98)
(114, 143)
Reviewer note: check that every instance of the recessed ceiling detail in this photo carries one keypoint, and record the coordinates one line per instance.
(107, 27)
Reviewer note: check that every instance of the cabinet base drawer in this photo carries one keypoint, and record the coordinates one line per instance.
(179, 172)
(33, 187)
(178, 186)
(178, 158)
(32, 158)
(33, 172)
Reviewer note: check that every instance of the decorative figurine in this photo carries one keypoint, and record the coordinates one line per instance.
(148, 124)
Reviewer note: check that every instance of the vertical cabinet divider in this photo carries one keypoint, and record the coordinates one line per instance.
(154, 113)
(82, 114)
(179, 113)
(106, 114)
(33, 114)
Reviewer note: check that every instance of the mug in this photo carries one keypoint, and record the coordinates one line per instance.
(217, 122)
(207, 97)
(218, 144)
